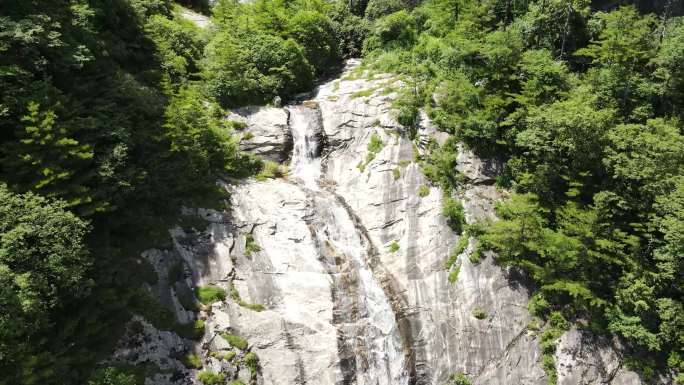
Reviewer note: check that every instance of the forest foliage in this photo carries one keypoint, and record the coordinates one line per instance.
(112, 117)
(583, 106)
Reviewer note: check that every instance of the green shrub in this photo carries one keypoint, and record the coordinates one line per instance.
(272, 169)
(396, 173)
(179, 46)
(211, 378)
(395, 30)
(198, 327)
(227, 356)
(251, 246)
(193, 361)
(453, 275)
(254, 67)
(235, 341)
(316, 33)
(393, 247)
(191, 330)
(375, 144)
(534, 324)
(549, 366)
(476, 256)
(210, 294)
(423, 191)
(479, 314)
(460, 248)
(459, 379)
(252, 362)
(378, 8)
(453, 210)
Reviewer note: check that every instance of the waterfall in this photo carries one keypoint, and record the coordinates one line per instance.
(305, 164)
(374, 336)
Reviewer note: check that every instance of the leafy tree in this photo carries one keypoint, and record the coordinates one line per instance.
(395, 30)
(625, 39)
(645, 159)
(350, 29)
(43, 267)
(316, 33)
(378, 8)
(179, 46)
(255, 68)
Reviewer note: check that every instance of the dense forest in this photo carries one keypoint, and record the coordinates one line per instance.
(112, 118)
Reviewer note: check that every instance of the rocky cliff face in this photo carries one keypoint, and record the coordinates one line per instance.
(337, 272)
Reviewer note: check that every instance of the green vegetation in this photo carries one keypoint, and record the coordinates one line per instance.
(363, 93)
(423, 191)
(210, 294)
(272, 170)
(584, 108)
(252, 361)
(113, 112)
(453, 274)
(43, 268)
(393, 247)
(193, 361)
(374, 146)
(556, 326)
(458, 250)
(227, 356)
(396, 173)
(479, 314)
(112, 118)
(235, 295)
(142, 302)
(476, 256)
(112, 376)
(452, 209)
(235, 341)
(250, 245)
(459, 379)
(211, 378)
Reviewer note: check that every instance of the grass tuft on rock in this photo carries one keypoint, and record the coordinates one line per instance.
(211, 378)
(251, 246)
(423, 191)
(210, 294)
(193, 361)
(235, 341)
(479, 314)
(272, 170)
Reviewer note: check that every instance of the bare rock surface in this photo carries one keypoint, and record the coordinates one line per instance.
(266, 131)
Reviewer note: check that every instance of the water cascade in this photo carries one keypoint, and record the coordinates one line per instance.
(371, 331)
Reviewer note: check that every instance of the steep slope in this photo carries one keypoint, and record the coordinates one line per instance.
(336, 272)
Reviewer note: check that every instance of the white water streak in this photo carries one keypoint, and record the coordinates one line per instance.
(378, 328)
